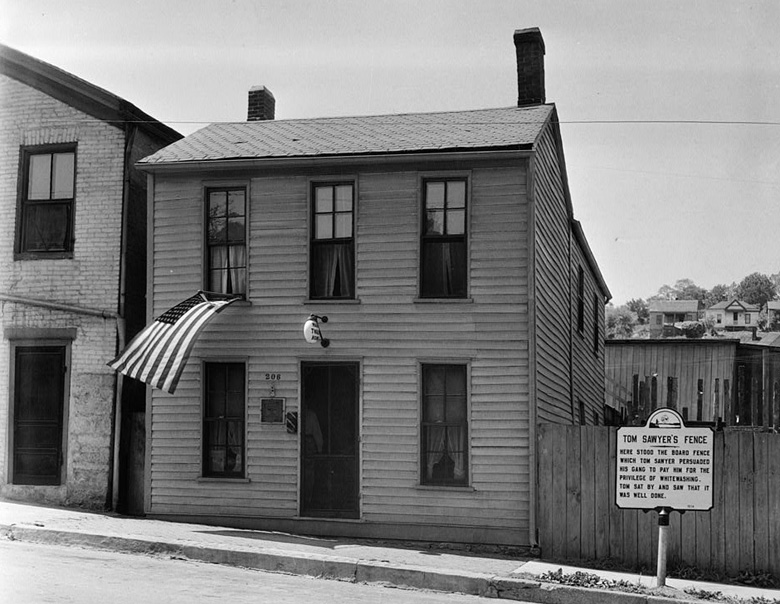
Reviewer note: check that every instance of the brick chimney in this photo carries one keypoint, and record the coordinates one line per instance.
(261, 104)
(529, 46)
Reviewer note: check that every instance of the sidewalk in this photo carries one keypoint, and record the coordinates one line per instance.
(346, 560)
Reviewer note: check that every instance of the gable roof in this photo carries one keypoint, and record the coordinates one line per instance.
(514, 128)
(674, 306)
(78, 93)
(728, 304)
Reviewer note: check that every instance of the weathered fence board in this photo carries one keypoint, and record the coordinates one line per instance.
(578, 518)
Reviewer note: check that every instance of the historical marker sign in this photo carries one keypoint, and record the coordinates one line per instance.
(664, 464)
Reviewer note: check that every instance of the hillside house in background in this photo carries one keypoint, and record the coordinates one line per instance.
(733, 315)
(665, 313)
(72, 282)
(463, 303)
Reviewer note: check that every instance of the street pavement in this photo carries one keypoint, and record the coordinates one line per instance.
(398, 565)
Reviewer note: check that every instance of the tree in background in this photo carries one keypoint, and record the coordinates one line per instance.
(640, 308)
(620, 322)
(719, 293)
(756, 289)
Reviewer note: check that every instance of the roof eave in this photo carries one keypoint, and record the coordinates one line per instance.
(579, 235)
(78, 93)
(517, 151)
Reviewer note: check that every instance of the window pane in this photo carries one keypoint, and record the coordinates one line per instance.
(217, 204)
(433, 410)
(323, 199)
(217, 230)
(332, 270)
(444, 269)
(344, 225)
(434, 195)
(456, 381)
(434, 222)
(46, 227)
(235, 229)
(434, 379)
(323, 228)
(216, 462)
(233, 462)
(456, 408)
(216, 433)
(344, 198)
(456, 194)
(39, 186)
(236, 205)
(456, 222)
(64, 173)
(215, 405)
(235, 404)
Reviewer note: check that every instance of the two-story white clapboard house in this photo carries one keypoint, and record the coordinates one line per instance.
(463, 305)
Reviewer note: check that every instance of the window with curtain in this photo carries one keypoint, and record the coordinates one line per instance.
(444, 431)
(332, 264)
(226, 240)
(443, 247)
(223, 420)
(46, 201)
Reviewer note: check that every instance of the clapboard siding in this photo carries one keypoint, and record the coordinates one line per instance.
(587, 362)
(386, 330)
(552, 294)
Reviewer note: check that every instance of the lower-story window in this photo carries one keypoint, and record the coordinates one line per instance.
(444, 445)
(223, 420)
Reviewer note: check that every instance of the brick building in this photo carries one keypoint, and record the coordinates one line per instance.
(72, 274)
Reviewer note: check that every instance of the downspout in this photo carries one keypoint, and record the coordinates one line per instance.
(121, 333)
(72, 308)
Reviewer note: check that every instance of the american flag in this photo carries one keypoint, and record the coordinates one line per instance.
(158, 354)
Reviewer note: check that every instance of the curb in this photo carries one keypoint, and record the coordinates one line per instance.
(350, 570)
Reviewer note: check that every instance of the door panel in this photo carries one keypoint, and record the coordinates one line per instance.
(329, 477)
(39, 390)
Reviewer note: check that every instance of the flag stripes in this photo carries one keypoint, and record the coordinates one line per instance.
(159, 353)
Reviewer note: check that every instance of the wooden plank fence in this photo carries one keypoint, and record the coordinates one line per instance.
(577, 517)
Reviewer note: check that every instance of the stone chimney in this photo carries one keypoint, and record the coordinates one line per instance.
(529, 46)
(261, 104)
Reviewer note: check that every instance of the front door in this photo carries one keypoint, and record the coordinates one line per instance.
(39, 396)
(329, 413)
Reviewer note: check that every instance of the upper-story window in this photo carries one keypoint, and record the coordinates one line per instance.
(45, 223)
(580, 300)
(332, 264)
(443, 248)
(226, 240)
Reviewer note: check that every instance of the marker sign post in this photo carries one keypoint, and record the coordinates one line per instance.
(664, 466)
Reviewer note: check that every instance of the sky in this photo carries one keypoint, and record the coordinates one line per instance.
(670, 111)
